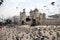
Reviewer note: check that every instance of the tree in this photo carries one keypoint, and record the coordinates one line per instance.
(1, 1)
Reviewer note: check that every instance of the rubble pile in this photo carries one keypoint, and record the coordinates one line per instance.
(31, 33)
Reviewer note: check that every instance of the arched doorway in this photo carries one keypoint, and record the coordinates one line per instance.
(33, 22)
(22, 22)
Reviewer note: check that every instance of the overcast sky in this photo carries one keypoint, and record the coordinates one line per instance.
(13, 7)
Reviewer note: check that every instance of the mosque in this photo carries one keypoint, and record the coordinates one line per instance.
(37, 18)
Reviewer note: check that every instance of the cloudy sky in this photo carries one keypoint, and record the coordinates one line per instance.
(13, 7)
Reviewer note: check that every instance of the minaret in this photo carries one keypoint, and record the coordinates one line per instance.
(22, 16)
(23, 10)
(36, 13)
